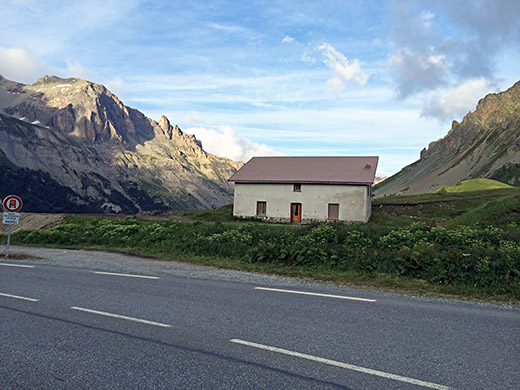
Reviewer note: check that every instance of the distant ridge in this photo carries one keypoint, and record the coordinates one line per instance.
(101, 155)
(486, 144)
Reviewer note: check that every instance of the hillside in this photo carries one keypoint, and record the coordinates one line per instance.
(94, 154)
(486, 144)
(474, 185)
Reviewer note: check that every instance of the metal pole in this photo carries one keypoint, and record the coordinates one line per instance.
(8, 240)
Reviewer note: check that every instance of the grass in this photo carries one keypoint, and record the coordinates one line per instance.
(474, 185)
(21, 256)
(446, 208)
(498, 211)
(222, 214)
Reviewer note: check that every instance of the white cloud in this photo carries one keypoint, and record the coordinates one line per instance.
(116, 86)
(456, 101)
(238, 32)
(195, 118)
(288, 39)
(381, 173)
(418, 70)
(343, 70)
(75, 69)
(445, 42)
(20, 64)
(225, 142)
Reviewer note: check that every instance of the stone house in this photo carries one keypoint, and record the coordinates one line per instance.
(305, 189)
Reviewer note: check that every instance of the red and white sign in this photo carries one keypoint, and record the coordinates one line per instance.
(12, 203)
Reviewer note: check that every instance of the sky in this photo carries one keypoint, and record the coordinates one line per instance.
(296, 78)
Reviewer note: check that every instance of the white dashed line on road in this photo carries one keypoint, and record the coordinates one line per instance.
(126, 275)
(17, 265)
(315, 294)
(344, 365)
(19, 297)
(103, 313)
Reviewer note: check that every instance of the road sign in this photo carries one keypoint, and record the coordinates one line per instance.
(12, 204)
(11, 218)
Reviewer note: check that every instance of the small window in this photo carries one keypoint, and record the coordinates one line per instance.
(333, 211)
(297, 188)
(260, 208)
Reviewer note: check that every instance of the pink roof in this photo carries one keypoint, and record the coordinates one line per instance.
(331, 170)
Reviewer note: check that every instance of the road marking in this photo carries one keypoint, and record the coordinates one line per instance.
(17, 265)
(344, 365)
(120, 317)
(315, 294)
(18, 297)
(126, 275)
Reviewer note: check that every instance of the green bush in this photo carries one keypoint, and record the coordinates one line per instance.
(483, 257)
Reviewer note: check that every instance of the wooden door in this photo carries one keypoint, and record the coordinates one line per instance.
(296, 212)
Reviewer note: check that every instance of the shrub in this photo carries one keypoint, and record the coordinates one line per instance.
(482, 257)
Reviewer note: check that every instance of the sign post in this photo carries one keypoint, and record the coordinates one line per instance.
(12, 204)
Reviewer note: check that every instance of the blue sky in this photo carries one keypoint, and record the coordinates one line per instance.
(279, 77)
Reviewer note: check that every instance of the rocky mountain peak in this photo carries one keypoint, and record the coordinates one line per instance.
(79, 107)
(54, 80)
(104, 154)
(164, 123)
(484, 142)
(169, 130)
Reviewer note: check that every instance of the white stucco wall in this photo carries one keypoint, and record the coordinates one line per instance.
(354, 201)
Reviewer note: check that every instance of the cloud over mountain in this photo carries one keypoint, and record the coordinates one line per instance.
(451, 102)
(21, 64)
(453, 67)
(225, 142)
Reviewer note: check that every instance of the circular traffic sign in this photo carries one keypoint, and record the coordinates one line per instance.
(12, 203)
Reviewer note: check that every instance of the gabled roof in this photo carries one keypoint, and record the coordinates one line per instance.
(326, 170)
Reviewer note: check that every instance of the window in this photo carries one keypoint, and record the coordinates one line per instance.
(297, 188)
(333, 211)
(260, 208)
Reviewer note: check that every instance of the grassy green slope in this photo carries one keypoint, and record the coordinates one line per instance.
(486, 207)
(474, 185)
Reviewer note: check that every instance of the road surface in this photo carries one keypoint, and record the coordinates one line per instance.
(85, 320)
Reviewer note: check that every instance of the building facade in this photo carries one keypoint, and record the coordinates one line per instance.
(305, 189)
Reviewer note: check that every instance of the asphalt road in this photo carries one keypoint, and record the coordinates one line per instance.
(68, 322)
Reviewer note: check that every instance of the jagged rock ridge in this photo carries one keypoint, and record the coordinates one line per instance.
(486, 144)
(112, 157)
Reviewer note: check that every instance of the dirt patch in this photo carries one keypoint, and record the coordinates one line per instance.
(31, 221)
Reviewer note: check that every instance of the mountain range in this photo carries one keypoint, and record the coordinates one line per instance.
(486, 144)
(70, 145)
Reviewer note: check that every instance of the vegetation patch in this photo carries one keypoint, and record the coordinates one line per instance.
(22, 256)
(463, 244)
(469, 260)
(508, 173)
(474, 185)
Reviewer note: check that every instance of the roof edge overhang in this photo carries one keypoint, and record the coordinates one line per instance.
(358, 183)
